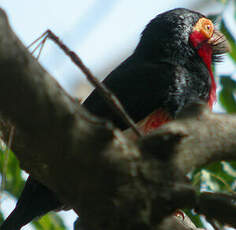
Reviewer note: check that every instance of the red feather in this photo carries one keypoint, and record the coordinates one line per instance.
(154, 120)
(204, 50)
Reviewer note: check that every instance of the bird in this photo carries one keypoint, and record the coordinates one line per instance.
(170, 68)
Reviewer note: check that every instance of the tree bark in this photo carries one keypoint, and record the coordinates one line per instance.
(110, 180)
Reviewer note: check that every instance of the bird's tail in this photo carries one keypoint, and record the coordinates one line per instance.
(35, 200)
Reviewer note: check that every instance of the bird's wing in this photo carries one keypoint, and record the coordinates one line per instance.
(140, 87)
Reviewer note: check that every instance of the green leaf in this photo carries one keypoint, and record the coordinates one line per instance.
(14, 180)
(229, 168)
(226, 95)
(1, 217)
(51, 221)
(230, 39)
(232, 164)
(217, 177)
(14, 186)
(194, 217)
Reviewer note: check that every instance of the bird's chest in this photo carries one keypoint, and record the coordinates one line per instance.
(187, 88)
(193, 88)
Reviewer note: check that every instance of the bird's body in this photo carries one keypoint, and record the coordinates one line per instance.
(143, 89)
(169, 69)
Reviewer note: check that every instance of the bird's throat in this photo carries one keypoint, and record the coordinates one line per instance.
(204, 50)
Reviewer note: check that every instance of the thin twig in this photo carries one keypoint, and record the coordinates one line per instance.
(102, 89)
(31, 44)
(41, 48)
(37, 47)
(41, 44)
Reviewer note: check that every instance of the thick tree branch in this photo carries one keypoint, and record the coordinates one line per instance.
(198, 137)
(111, 181)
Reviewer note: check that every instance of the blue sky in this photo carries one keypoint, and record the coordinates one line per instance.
(100, 31)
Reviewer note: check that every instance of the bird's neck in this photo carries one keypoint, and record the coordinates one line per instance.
(204, 50)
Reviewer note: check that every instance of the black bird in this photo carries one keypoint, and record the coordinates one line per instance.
(169, 69)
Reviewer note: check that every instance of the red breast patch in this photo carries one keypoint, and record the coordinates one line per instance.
(154, 121)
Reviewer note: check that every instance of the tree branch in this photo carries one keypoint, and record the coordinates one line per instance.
(110, 180)
(198, 137)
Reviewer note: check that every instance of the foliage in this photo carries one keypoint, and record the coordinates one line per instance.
(13, 187)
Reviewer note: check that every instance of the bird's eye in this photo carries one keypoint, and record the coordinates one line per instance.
(204, 26)
(208, 27)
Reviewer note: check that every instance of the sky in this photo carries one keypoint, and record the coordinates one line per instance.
(101, 32)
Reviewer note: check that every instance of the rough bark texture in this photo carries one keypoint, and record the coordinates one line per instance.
(112, 182)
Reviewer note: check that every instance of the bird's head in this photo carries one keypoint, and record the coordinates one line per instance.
(183, 37)
(182, 33)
